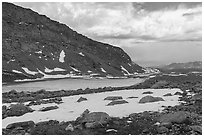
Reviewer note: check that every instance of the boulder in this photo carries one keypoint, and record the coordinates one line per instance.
(147, 92)
(69, 127)
(176, 117)
(95, 119)
(113, 98)
(197, 128)
(131, 97)
(178, 93)
(197, 97)
(48, 108)
(117, 102)
(168, 94)
(166, 124)
(13, 92)
(162, 130)
(148, 99)
(18, 110)
(81, 99)
(25, 125)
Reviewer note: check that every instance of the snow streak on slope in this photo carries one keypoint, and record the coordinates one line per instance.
(29, 72)
(62, 56)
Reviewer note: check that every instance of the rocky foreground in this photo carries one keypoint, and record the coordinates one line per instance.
(183, 119)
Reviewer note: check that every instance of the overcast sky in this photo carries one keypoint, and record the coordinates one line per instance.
(151, 33)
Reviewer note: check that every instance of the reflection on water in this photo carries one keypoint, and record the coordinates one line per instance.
(71, 84)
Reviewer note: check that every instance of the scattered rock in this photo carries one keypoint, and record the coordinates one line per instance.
(13, 92)
(24, 125)
(168, 94)
(48, 108)
(159, 84)
(147, 99)
(175, 117)
(117, 102)
(69, 127)
(81, 99)
(197, 97)
(166, 124)
(162, 130)
(56, 100)
(147, 92)
(196, 128)
(113, 98)
(95, 119)
(18, 110)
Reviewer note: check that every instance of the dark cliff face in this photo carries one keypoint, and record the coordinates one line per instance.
(34, 46)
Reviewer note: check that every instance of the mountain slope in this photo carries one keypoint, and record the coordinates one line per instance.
(182, 67)
(34, 46)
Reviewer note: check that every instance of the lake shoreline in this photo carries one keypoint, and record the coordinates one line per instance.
(192, 105)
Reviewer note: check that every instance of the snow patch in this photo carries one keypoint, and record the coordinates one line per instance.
(39, 52)
(89, 71)
(75, 69)
(55, 69)
(81, 54)
(48, 70)
(103, 70)
(28, 71)
(16, 71)
(125, 70)
(62, 55)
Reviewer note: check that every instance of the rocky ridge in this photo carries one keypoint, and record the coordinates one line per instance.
(36, 47)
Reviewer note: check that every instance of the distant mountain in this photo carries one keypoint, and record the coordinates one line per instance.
(34, 46)
(182, 67)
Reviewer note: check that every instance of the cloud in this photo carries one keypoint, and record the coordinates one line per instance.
(128, 22)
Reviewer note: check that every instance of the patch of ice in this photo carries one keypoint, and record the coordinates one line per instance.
(62, 55)
(71, 109)
(81, 54)
(103, 70)
(28, 71)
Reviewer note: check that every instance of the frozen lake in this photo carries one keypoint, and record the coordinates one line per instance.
(71, 84)
(70, 109)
